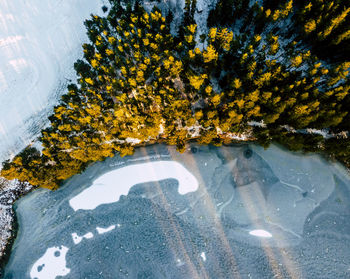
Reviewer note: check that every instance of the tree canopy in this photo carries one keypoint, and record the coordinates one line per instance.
(140, 82)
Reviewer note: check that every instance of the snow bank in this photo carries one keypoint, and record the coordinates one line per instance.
(109, 187)
(39, 43)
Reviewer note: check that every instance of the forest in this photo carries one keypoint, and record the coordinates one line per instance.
(275, 71)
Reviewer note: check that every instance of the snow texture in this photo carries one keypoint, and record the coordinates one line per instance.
(51, 264)
(9, 192)
(39, 43)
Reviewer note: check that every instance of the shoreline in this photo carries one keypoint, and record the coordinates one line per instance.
(8, 247)
(212, 166)
(15, 190)
(6, 252)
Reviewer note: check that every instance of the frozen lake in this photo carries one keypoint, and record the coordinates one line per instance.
(39, 43)
(228, 212)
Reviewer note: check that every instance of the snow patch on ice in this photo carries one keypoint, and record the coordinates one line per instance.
(104, 230)
(109, 187)
(77, 239)
(260, 233)
(51, 264)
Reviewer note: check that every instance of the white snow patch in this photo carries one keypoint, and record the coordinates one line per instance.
(203, 256)
(324, 133)
(133, 140)
(51, 264)
(260, 233)
(195, 130)
(77, 239)
(109, 187)
(104, 230)
(243, 137)
(161, 129)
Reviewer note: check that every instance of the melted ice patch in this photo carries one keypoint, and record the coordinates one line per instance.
(51, 264)
(260, 233)
(109, 187)
(104, 230)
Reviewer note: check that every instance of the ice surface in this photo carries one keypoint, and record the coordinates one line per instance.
(109, 187)
(255, 213)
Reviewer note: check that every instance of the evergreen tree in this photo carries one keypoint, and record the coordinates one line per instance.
(138, 83)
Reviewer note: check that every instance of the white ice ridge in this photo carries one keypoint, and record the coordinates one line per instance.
(77, 239)
(104, 230)
(109, 187)
(51, 264)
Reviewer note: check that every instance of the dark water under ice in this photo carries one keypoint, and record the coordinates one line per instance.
(256, 214)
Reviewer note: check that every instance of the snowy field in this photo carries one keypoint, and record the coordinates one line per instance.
(39, 43)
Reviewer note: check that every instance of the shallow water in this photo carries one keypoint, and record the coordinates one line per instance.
(228, 212)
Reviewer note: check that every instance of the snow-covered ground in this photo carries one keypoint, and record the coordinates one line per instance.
(9, 192)
(39, 43)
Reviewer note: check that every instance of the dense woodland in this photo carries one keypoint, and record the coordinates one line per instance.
(275, 71)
